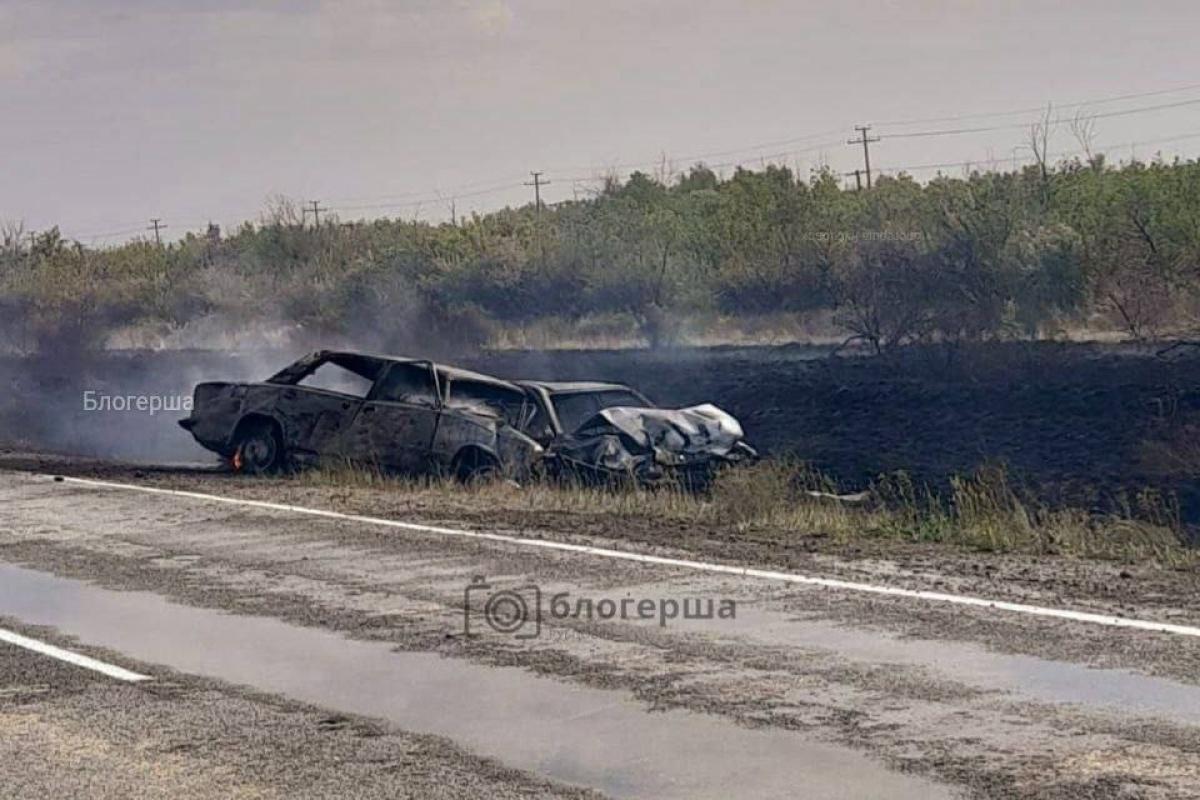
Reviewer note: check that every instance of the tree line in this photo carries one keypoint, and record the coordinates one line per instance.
(988, 255)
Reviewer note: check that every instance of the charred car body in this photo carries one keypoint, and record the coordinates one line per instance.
(399, 414)
(415, 416)
(601, 432)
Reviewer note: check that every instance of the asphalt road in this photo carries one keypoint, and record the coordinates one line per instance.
(346, 668)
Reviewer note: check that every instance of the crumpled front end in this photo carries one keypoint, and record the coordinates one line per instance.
(653, 445)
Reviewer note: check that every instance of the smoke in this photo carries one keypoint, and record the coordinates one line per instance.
(115, 404)
(124, 404)
(113, 386)
(122, 401)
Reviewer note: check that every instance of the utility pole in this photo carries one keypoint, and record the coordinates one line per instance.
(316, 212)
(156, 226)
(857, 178)
(866, 142)
(537, 183)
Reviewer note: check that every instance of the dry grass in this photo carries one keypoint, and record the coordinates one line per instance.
(781, 499)
(622, 331)
(984, 512)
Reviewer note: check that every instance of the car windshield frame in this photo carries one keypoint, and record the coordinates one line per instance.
(576, 419)
(517, 417)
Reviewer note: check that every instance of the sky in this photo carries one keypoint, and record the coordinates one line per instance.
(112, 113)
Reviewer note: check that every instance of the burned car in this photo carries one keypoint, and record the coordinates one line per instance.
(398, 414)
(605, 432)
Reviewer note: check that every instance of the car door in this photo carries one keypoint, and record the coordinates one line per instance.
(395, 427)
(315, 419)
(318, 409)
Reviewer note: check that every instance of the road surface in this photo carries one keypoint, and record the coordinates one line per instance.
(299, 654)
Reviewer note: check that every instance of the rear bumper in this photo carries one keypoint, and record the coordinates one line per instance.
(205, 435)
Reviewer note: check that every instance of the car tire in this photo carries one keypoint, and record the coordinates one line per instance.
(258, 449)
(475, 467)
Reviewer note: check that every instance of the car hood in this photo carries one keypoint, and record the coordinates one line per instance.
(697, 429)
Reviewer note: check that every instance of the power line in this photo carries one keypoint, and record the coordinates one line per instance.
(770, 157)
(93, 237)
(767, 158)
(382, 200)
(699, 157)
(1029, 110)
(105, 235)
(1022, 125)
(1039, 109)
(458, 196)
(1059, 155)
(493, 187)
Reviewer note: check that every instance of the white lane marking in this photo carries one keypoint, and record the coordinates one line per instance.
(78, 660)
(703, 566)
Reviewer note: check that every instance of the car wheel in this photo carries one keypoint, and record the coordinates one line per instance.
(474, 467)
(258, 450)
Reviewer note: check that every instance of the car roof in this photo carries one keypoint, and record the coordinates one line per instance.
(577, 387)
(454, 373)
(460, 374)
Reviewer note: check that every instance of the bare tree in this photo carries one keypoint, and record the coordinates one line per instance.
(1138, 295)
(885, 297)
(1083, 128)
(665, 170)
(1039, 143)
(12, 232)
(282, 211)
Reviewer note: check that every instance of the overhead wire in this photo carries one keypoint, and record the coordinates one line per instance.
(482, 188)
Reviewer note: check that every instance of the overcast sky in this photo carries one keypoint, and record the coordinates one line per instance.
(114, 112)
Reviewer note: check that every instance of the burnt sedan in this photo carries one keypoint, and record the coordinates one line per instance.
(398, 414)
(606, 432)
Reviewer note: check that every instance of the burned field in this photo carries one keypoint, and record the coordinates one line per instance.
(1075, 424)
